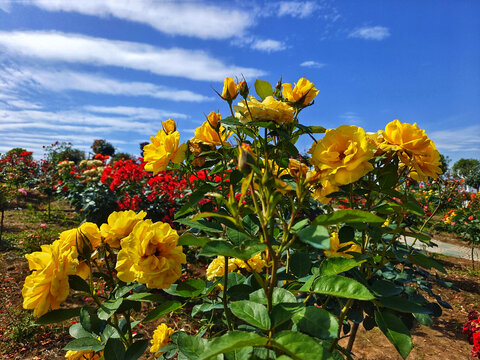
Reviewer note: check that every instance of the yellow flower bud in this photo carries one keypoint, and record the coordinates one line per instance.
(303, 93)
(169, 126)
(230, 89)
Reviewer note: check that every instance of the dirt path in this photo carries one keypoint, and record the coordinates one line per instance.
(447, 249)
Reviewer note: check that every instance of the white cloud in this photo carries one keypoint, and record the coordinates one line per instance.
(75, 48)
(457, 139)
(351, 118)
(300, 9)
(370, 33)
(135, 112)
(268, 45)
(63, 80)
(188, 18)
(5, 5)
(312, 64)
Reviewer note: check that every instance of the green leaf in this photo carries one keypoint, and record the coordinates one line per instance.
(346, 234)
(300, 264)
(162, 309)
(316, 236)
(283, 312)
(340, 286)
(189, 239)
(251, 312)
(236, 175)
(403, 305)
(86, 343)
(240, 354)
(232, 341)
(396, 331)
(263, 88)
(316, 322)
(348, 217)
(224, 248)
(279, 296)
(237, 237)
(191, 346)
(145, 297)
(123, 290)
(424, 319)
(386, 288)
(426, 262)
(300, 346)
(136, 350)
(77, 283)
(202, 225)
(230, 120)
(114, 349)
(108, 308)
(77, 331)
(190, 288)
(337, 265)
(58, 315)
(89, 320)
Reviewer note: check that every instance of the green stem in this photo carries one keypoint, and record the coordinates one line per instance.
(224, 298)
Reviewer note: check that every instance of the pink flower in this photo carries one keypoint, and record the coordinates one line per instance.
(43, 226)
(22, 191)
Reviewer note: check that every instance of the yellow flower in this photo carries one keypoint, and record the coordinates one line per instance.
(303, 92)
(83, 355)
(267, 110)
(403, 137)
(163, 149)
(150, 255)
(386, 223)
(211, 132)
(230, 89)
(119, 225)
(297, 169)
(169, 126)
(335, 246)
(217, 267)
(86, 238)
(47, 287)
(256, 263)
(343, 154)
(325, 188)
(426, 164)
(161, 338)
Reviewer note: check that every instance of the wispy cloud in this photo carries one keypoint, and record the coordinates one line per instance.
(268, 45)
(64, 80)
(135, 112)
(188, 18)
(351, 118)
(312, 64)
(457, 139)
(75, 48)
(370, 33)
(300, 9)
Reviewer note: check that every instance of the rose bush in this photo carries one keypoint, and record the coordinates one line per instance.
(283, 282)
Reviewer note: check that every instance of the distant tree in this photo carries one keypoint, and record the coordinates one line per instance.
(61, 151)
(142, 145)
(122, 155)
(469, 169)
(444, 163)
(101, 146)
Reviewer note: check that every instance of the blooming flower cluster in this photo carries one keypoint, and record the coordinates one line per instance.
(217, 267)
(472, 330)
(148, 253)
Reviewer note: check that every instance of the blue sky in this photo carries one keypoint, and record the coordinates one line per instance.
(114, 69)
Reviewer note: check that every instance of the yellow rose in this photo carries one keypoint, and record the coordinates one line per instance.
(217, 267)
(303, 92)
(343, 154)
(267, 110)
(325, 188)
(83, 355)
(211, 132)
(256, 263)
(47, 287)
(169, 126)
(230, 89)
(335, 246)
(413, 147)
(119, 225)
(86, 238)
(150, 255)
(161, 338)
(163, 149)
(297, 169)
(426, 165)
